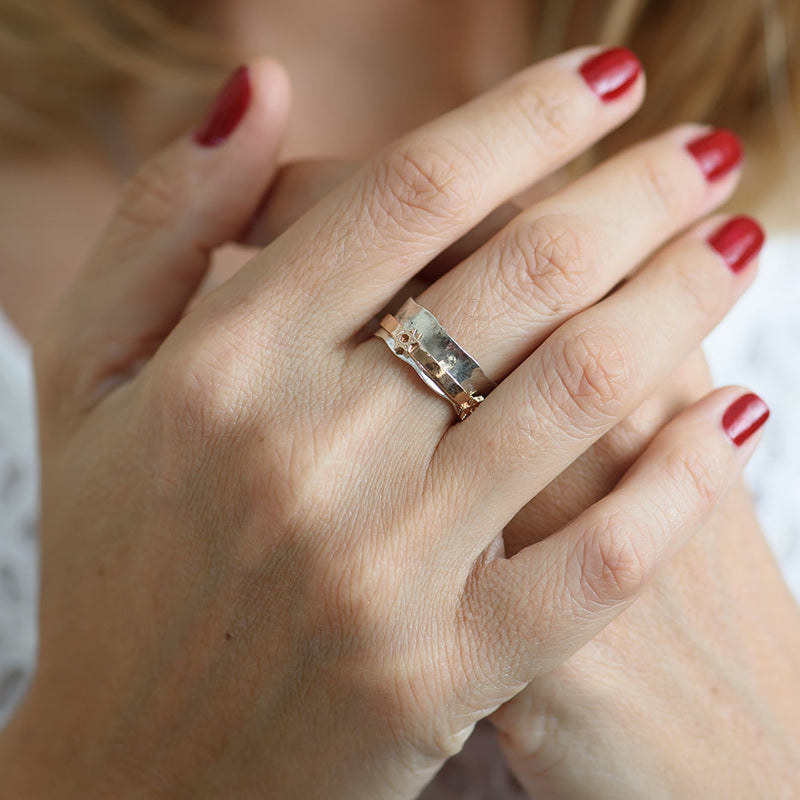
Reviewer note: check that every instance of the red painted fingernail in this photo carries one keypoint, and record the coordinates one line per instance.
(744, 417)
(738, 241)
(717, 153)
(230, 106)
(611, 73)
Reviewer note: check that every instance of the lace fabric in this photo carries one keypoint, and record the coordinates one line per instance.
(18, 519)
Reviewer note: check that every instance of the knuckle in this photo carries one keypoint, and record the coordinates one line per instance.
(661, 187)
(545, 263)
(589, 377)
(420, 185)
(549, 112)
(194, 395)
(154, 196)
(697, 284)
(189, 395)
(695, 474)
(610, 565)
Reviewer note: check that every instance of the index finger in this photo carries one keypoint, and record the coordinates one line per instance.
(364, 241)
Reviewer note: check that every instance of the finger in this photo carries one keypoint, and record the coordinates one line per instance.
(356, 248)
(600, 468)
(565, 589)
(599, 366)
(298, 186)
(565, 253)
(187, 200)
(487, 228)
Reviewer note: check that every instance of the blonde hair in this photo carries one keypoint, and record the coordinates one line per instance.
(63, 61)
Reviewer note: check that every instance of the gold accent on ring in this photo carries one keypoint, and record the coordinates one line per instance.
(415, 336)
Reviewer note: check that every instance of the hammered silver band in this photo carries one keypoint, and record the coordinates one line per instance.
(415, 336)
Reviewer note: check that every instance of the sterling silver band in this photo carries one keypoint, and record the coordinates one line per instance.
(414, 335)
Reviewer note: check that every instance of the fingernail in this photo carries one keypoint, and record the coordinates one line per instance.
(738, 241)
(230, 106)
(744, 417)
(717, 153)
(611, 73)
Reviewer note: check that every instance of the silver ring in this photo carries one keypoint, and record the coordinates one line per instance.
(415, 336)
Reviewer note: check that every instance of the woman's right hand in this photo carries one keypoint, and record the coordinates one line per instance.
(271, 563)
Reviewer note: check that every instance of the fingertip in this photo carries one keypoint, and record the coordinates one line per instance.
(271, 89)
(744, 417)
(738, 241)
(611, 73)
(255, 96)
(734, 413)
(227, 111)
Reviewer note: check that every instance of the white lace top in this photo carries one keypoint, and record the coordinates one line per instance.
(758, 346)
(18, 516)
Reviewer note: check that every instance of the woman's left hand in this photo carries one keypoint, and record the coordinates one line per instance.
(693, 691)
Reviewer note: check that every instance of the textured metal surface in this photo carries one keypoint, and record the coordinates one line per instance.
(415, 336)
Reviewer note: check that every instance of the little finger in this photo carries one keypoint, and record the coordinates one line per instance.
(552, 597)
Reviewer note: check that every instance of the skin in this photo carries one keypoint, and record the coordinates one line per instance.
(720, 615)
(510, 721)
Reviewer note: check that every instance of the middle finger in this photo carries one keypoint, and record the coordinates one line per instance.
(566, 252)
(357, 247)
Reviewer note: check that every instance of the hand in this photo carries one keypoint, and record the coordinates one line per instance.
(726, 631)
(693, 691)
(270, 564)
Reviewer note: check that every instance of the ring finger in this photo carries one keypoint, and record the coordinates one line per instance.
(566, 252)
(597, 367)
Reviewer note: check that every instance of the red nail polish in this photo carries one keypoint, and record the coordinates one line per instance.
(611, 73)
(230, 106)
(738, 241)
(717, 153)
(744, 417)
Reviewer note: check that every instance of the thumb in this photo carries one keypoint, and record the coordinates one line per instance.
(187, 200)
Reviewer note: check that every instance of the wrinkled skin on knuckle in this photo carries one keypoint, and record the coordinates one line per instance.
(199, 398)
(588, 376)
(420, 187)
(209, 377)
(593, 475)
(154, 199)
(695, 474)
(546, 115)
(609, 565)
(512, 622)
(191, 417)
(545, 265)
(626, 441)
